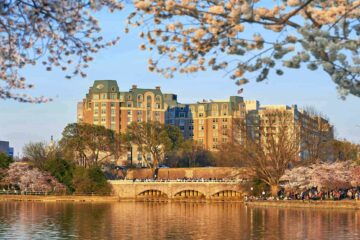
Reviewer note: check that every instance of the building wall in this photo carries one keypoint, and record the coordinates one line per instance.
(209, 123)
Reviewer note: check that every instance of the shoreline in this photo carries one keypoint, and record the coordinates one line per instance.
(341, 204)
(61, 198)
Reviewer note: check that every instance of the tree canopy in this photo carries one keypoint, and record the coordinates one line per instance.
(251, 38)
(156, 139)
(90, 144)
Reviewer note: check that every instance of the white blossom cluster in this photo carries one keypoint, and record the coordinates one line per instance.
(55, 33)
(201, 34)
(29, 178)
(328, 176)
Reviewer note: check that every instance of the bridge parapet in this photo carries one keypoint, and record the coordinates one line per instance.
(178, 190)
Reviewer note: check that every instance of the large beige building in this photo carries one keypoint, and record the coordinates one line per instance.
(209, 122)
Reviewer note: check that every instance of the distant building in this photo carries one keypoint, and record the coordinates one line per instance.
(208, 122)
(5, 148)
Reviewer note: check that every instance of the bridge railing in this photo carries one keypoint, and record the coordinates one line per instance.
(180, 180)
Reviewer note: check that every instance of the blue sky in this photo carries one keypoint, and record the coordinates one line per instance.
(21, 123)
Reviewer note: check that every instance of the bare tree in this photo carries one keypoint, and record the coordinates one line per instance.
(277, 147)
(316, 133)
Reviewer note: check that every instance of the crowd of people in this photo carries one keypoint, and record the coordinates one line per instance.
(311, 194)
(184, 180)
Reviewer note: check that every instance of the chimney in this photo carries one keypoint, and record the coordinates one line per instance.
(134, 86)
(157, 88)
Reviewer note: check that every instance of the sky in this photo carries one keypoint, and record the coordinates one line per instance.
(21, 123)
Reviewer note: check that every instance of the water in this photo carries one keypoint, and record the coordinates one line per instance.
(130, 220)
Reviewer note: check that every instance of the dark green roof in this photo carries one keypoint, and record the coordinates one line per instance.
(104, 86)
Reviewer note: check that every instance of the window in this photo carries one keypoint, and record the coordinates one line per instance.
(129, 104)
(139, 156)
(112, 126)
(96, 111)
(129, 120)
(139, 105)
(215, 120)
(96, 104)
(129, 97)
(182, 128)
(181, 122)
(215, 126)
(112, 119)
(224, 126)
(139, 113)
(182, 114)
(112, 104)
(215, 140)
(158, 99)
(157, 106)
(112, 111)
(157, 113)
(103, 111)
(103, 104)
(96, 119)
(224, 140)
(201, 121)
(191, 127)
(225, 119)
(201, 127)
(140, 98)
(103, 119)
(201, 114)
(103, 96)
(129, 112)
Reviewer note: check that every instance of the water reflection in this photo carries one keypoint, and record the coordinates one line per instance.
(129, 220)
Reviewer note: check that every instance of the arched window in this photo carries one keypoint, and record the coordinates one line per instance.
(140, 98)
(158, 99)
(129, 97)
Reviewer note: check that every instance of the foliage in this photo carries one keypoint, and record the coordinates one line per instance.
(5, 160)
(62, 170)
(90, 180)
(156, 139)
(190, 154)
(251, 38)
(29, 178)
(59, 34)
(344, 150)
(90, 145)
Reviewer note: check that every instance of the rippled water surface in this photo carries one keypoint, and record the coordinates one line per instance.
(130, 220)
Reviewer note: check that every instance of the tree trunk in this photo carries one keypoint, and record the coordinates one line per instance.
(274, 190)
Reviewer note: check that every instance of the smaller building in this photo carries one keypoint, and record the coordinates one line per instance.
(5, 148)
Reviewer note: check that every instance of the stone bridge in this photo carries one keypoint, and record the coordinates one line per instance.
(127, 189)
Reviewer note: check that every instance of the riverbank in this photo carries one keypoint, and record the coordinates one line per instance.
(65, 198)
(342, 204)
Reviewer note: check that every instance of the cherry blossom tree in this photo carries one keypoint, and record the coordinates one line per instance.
(29, 178)
(251, 38)
(54, 33)
(327, 176)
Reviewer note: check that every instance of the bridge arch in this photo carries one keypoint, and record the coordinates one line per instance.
(227, 194)
(189, 193)
(152, 193)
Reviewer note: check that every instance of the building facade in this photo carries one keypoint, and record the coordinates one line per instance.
(5, 148)
(210, 122)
